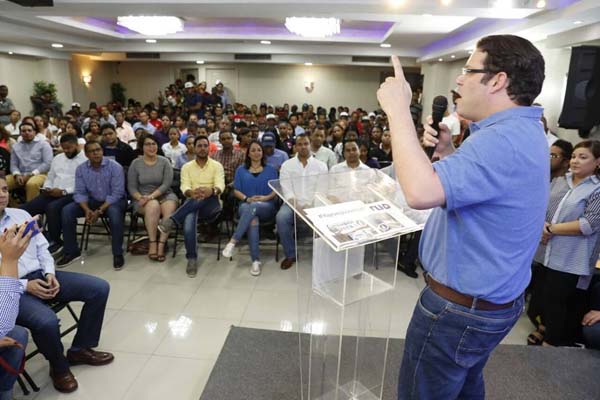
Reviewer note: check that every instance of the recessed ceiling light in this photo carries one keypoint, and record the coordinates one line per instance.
(385, 45)
(265, 42)
(541, 4)
(150, 40)
(452, 56)
(10, 53)
(151, 25)
(440, 59)
(578, 22)
(200, 62)
(446, 2)
(396, 3)
(57, 45)
(308, 64)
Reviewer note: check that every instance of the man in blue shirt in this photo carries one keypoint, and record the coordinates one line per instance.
(275, 157)
(490, 198)
(144, 123)
(99, 191)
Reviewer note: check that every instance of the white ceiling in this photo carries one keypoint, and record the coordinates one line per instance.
(215, 30)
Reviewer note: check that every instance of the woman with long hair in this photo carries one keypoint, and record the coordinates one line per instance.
(149, 180)
(251, 188)
(568, 251)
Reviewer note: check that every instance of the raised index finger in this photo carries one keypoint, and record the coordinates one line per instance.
(398, 72)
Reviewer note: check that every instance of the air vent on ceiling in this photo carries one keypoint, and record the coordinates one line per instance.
(367, 59)
(143, 55)
(34, 3)
(247, 57)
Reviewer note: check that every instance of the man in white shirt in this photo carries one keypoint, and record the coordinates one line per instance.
(124, 130)
(13, 125)
(352, 159)
(320, 152)
(296, 191)
(41, 284)
(57, 190)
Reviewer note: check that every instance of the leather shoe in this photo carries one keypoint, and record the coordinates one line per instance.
(64, 382)
(118, 262)
(287, 263)
(89, 357)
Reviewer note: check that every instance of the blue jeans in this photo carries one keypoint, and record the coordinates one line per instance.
(250, 215)
(116, 218)
(286, 230)
(52, 208)
(591, 334)
(14, 357)
(447, 346)
(188, 214)
(43, 323)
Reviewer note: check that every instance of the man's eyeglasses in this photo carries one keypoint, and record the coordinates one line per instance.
(474, 71)
(552, 155)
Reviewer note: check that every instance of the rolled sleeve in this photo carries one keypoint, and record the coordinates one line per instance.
(219, 177)
(43, 255)
(589, 223)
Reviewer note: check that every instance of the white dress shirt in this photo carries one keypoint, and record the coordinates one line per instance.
(62, 172)
(343, 167)
(326, 155)
(302, 190)
(36, 256)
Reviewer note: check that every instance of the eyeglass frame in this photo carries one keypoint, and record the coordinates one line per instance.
(466, 70)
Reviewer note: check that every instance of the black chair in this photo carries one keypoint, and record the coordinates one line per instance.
(56, 307)
(264, 226)
(216, 219)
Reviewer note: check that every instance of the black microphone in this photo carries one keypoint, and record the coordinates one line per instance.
(438, 109)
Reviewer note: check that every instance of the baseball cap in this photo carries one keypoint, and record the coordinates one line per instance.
(270, 116)
(372, 115)
(75, 105)
(343, 114)
(268, 139)
(365, 118)
(188, 85)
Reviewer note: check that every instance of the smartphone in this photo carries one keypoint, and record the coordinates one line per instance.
(32, 226)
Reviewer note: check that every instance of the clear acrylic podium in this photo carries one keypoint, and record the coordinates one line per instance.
(347, 246)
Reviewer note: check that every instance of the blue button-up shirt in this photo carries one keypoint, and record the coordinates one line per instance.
(10, 292)
(496, 186)
(34, 157)
(106, 183)
(36, 256)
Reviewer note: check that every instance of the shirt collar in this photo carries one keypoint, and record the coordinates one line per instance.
(104, 162)
(593, 178)
(533, 112)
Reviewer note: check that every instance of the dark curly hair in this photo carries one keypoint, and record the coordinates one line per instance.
(520, 60)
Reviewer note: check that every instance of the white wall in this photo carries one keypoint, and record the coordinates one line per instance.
(439, 79)
(19, 73)
(102, 77)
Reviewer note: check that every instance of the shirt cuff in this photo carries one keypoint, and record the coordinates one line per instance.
(10, 284)
(585, 227)
(35, 172)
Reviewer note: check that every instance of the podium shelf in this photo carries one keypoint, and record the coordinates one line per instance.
(358, 287)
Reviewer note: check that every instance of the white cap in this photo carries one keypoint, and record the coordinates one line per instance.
(75, 105)
(271, 116)
(343, 114)
(188, 85)
(372, 115)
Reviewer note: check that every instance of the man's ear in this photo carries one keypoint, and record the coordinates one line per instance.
(499, 82)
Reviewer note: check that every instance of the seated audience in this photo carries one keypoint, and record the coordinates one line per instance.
(149, 180)
(366, 156)
(42, 285)
(320, 152)
(13, 124)
(189, 155)
(386, 156)
(286, 141)
(144, 123)
(302, 165)
(202, 182)
(173, 149)
(92, 132)
(13, 338)
(244, 138)
(106, 117)
(275, 157)
(114, 149)
(99, 192)
(162, 134)
(251, 188)
(229, 157)
(58, 189)
(352, 159)
(124, 129)
(6, 141)
(29, 162)
(570, 234)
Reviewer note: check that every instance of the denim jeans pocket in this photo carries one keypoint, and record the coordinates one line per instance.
(476, 344)
(431, 305)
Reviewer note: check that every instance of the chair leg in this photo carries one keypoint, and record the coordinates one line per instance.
(31, 382)
(83, 236)
(175, 241)
(219, 240)
(277, 249)
(23, 387)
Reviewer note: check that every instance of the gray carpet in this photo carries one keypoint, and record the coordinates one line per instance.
(258, 364)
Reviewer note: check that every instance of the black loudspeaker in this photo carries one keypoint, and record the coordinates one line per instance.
(581, 107)
(34, 3)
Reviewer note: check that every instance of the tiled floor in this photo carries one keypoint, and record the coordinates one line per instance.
(166, 330)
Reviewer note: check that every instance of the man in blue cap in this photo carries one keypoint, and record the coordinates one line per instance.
(275, 157)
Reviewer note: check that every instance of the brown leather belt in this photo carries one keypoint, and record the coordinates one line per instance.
(463, 299)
